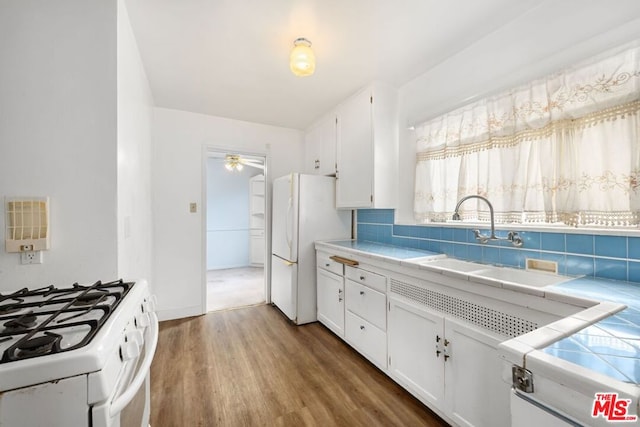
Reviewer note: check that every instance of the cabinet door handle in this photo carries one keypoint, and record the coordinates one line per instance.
(446, 356)
(362, 327)
(327, 265)
(345, 261)
(361, 292)
(438, 353)
(361, 277)
(437, 338)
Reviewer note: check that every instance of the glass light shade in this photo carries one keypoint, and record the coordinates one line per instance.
(302, 60)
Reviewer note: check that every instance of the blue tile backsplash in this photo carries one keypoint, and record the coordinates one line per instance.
(611, 257)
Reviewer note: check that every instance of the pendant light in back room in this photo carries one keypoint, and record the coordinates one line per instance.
(302, 61)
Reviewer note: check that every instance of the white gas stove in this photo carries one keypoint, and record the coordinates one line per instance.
(77, 356)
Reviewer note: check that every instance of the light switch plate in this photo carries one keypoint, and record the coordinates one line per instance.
(193, 207)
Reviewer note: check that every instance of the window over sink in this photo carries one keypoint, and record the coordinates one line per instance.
(564, 149)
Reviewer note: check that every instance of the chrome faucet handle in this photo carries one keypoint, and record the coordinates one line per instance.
(480, 237)
(515, 239)
(456, 216)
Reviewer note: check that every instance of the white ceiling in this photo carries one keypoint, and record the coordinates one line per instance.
(229, 58)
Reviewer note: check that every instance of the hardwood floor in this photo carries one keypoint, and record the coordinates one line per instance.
(251, 367)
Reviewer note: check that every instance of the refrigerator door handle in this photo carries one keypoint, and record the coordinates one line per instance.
(289, 224)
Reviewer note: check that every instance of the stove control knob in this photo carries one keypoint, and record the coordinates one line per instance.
(150, 304)
(135, 337)
(129, 350)
(142, 320)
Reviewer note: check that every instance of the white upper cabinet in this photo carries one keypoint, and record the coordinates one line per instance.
(320, 147)
(367, 149)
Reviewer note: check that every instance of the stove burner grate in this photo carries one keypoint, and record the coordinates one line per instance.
(51, 309)
(26, 321)
(38, 346)
(9, 308)
(17, 302)
(91, 298)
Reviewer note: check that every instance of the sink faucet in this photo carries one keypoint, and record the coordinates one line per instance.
(483, 238)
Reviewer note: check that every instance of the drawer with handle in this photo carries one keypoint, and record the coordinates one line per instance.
(325, 262)
(367, 303)
(366, 338)
(374, 280)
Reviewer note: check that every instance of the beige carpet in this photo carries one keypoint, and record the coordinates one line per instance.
(235, 287)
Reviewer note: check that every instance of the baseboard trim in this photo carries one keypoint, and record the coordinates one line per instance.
(179, 313)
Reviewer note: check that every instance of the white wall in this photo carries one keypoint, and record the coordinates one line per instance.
(58, 133)
(227, 215)
(178, 159)
(535, 44)
(135, 112)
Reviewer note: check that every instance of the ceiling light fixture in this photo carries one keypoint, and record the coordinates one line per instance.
(232, 162)
(302, 60)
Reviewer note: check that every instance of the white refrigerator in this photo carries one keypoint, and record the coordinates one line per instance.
(303, 212)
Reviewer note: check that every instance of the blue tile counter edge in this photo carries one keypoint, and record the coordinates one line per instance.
(610, 346)
(596, 350)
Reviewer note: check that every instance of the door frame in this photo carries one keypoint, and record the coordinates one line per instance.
(207, 151)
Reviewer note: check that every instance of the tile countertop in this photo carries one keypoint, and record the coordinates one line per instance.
(381, 251)
(604, 338)
(610, 346)
(593, 352)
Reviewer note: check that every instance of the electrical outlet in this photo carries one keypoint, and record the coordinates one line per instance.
(31, 257)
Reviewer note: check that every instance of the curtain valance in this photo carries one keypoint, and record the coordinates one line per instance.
(562, 148)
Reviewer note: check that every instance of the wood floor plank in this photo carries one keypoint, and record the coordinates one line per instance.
(251, 367)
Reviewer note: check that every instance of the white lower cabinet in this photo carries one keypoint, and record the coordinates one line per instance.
(331, 301)
(413, 361)
(474, 390)
(366, 321)
(448, 364)
(412, 329)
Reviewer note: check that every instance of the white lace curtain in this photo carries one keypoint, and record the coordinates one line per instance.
(565, 148)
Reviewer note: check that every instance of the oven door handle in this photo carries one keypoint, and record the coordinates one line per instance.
(123, 400)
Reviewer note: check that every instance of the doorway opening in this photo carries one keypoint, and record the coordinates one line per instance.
(235, 230)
